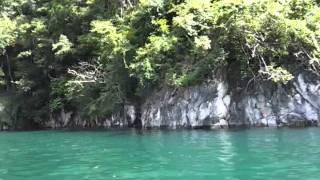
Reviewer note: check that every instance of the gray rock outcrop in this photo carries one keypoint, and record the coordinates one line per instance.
(214, 104)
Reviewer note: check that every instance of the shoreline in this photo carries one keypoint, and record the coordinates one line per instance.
(159, 128)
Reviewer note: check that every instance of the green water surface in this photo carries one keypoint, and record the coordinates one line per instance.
(185, 155)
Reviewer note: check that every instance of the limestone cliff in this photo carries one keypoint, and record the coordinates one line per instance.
(217, 103)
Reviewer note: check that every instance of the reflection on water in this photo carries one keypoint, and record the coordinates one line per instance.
(226, 150)
(132, 154)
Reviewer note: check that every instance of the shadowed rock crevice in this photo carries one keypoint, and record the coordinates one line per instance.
(137, 121)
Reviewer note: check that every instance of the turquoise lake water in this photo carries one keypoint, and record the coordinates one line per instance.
(185, 155)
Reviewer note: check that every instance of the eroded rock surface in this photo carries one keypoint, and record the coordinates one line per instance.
(213, 104)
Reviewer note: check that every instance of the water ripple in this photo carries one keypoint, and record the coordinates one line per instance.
(246, 154)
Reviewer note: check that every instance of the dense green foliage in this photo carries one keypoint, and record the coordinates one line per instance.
(92, 56)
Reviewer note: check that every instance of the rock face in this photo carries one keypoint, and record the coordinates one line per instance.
(198, 106)
(213, 104)
(296, 104)
(126, 118)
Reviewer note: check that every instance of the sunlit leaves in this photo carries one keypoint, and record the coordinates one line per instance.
(63, 46)
(277, 74)
(103, 27)
(152, 3)
(260, 33)
(149, 57)
(193, 16)
(38, 26)
(203, 42)
(24, 54)
(111, 36)
(162, 24)
(7, 33)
